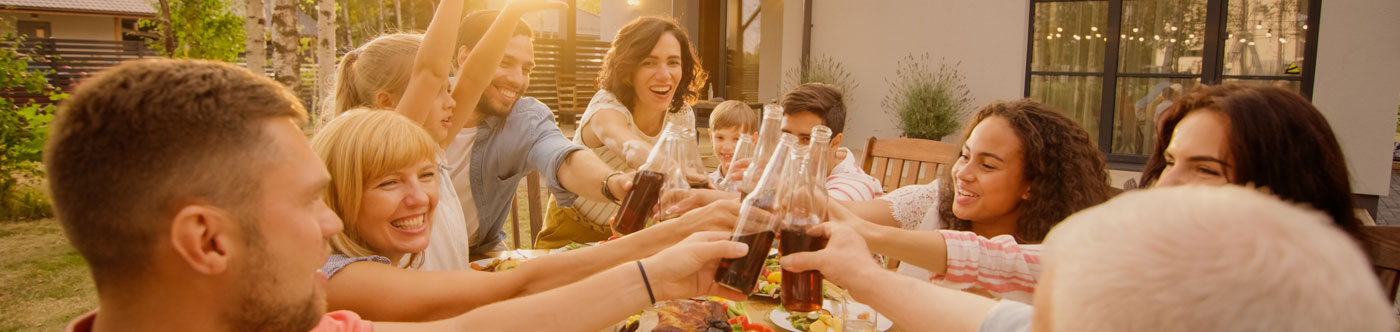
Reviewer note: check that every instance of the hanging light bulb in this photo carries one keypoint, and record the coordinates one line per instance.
(1059, 29)
(1251, 43)
(1241, 40)
(1058, 35)
(1173, 40)
(1191, 36)
(1268, 34)
(1122, 36)
(1093, 28)
(1136, 29)
(1282, 41)
(1173, 28)
(1142, 38)
(1076, 37)
(1049, 37)
(1156, 37)
(1305, 27)
(1098, 36)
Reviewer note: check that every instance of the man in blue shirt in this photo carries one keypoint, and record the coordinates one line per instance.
(508, 136)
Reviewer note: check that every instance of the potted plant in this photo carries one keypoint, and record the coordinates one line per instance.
(821, 69)
(929, 103)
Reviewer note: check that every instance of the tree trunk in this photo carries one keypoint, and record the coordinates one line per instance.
(325, 60)
(285, 62)
(381, 17)
(398, 15)
(169, 28)
(349, 31)
(256, 49)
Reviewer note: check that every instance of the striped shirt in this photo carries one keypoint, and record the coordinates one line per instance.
(998, 265)
(847, 182)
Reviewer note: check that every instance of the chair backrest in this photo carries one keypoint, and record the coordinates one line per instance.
(1383, 249)
(535, 211)
(899, 162)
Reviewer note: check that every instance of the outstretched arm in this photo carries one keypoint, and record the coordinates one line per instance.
(914, 304)
(682, 271)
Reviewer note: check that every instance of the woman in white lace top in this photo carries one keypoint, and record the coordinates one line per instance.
(650, 77)
(1023, 168)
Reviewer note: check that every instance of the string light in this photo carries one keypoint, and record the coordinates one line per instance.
(1268, 34)
(1305, 27)
(1142, 38)
(1258, 27)
(1058, 35)
(1173, 28)
(1059, 29)
(1076, 37)
(1093, 28)
(1282, 41)
(1251, 43)
(1049, 37)
(1241, 40)
(1098, 36)
(1122, 36)
(1136, 30)
(1173, 40)
(1156, 37)
(1191, 35)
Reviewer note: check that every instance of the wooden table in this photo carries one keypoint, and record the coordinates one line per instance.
(758, 307)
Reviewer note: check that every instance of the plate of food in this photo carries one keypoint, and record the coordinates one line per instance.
(824, 320)
(711, 314)
(770, 279)
(497, 264)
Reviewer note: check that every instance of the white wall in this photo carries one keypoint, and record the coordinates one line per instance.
(72, 26)
(870, 37)
(1358, 85)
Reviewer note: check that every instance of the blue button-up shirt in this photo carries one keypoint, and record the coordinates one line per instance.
(505, 150)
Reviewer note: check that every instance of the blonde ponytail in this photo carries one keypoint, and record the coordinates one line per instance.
(380, 65)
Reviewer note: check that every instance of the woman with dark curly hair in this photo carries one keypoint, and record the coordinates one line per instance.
(1262, 135)
(1024, 167)
(650, 77)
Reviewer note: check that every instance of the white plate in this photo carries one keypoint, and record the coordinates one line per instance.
(779, 316)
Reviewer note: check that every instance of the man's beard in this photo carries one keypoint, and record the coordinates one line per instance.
(262, 306)
(491, 107)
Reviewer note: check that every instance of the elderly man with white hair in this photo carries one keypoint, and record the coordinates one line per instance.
(1171, 259)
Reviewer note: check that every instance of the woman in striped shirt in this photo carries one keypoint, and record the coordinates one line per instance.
(1024, 167)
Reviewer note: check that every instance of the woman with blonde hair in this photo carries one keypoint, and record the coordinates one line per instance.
(381, 75)
(384, 185)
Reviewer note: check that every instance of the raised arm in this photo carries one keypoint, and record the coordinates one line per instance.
(475, 74)
(431, 64)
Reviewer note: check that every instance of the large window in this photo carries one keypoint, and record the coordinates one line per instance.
(1114, 65)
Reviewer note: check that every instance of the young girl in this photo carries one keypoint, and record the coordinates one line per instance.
(385, 184)
(650, 77)
(381, 75)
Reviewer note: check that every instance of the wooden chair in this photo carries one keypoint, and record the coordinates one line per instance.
(899, 162)
(1383, 249)
(535, 211)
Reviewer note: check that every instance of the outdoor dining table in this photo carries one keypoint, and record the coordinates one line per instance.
(758, 307)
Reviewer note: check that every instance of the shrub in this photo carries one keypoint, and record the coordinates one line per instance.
(822, 69)
(24, 126)
(928, 103)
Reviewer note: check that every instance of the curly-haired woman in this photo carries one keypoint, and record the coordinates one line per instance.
(650, 77)
(1023, 168)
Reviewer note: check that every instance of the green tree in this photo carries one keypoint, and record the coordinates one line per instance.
(203, 29)
(24, 123)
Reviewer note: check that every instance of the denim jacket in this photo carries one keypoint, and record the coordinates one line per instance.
(505, 150)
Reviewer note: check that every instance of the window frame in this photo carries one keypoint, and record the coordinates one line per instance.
(1212, 71)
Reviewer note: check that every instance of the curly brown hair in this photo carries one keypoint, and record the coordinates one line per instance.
(633, 43)
(1066, 171)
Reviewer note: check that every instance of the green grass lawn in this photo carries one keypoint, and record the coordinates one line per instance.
(43, 281)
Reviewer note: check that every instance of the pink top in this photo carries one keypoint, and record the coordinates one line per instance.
(998, 265)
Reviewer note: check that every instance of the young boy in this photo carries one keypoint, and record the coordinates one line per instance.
(814, 104)
(729, 120)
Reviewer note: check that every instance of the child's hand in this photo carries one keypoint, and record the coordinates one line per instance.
(519, 7)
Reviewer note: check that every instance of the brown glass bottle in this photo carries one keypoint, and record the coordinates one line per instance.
(758, 217)
(637, 207)
(801, 291)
